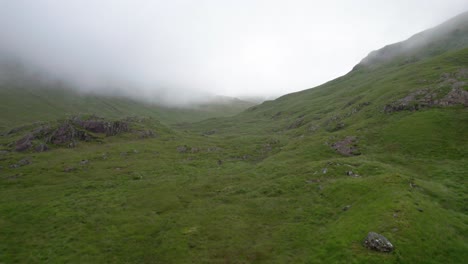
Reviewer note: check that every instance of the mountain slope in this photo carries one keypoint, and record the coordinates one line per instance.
(301, 179)
(451, 35)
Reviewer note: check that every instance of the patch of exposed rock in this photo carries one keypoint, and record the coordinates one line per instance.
(347, 146)
(70, 132)
(378, 242)
(96, 125)
(435, 97)
(24, 143)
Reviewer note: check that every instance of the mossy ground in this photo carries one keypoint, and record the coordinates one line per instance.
(255, 191)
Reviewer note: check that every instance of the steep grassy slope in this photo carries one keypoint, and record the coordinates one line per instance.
(265, 186)
(26, 103)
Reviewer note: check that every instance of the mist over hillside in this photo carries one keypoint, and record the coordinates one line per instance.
(451, 35)
(117, 145)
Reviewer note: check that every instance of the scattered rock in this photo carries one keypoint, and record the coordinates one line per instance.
(313, 128)
(209, 133)
(347, 146)
(352, 174)
(69, 169)
(84, 162)
(195, 150)
(213, 149)
(24, 162)
(324, 170)
(14, 166)
(182, 149)
(147, 134)
(41, 148)
(24, 143)
(346, 208)
(378, 242)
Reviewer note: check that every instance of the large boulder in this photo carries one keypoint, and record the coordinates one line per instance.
(378, 242)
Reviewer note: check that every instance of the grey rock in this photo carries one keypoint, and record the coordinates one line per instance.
(182, 149)
(378, 242)
(84, 162)
(24, 143)
(69, 169)
(346, 208)
(24, 162)
(347, 146)
(41, 148)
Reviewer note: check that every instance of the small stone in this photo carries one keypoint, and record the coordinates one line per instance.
(24, 162)
(377, 242)
(346, 208)
(69, 169)
(324, 170)
(84, 162)
(182, 149)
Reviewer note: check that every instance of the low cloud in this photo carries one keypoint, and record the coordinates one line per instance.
(178, 52)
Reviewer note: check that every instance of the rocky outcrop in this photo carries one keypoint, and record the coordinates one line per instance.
(69, 132)
(66, 133)
(41, 148)
(24, 143)
(378, 242)
(435, 96)
(347, 146)
(102, 126)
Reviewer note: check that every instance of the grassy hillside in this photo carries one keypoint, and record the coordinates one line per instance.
(32, 102)
(301, 179)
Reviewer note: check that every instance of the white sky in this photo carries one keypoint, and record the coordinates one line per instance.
(186, 48)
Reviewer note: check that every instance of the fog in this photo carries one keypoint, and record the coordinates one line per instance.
(179, 51)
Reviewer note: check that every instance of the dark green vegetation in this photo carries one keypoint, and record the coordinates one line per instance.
(265, 186)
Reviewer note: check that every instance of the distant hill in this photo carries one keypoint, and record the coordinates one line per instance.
(33, 99)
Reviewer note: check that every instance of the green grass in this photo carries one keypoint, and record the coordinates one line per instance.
(28, 103)
(268, 200)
